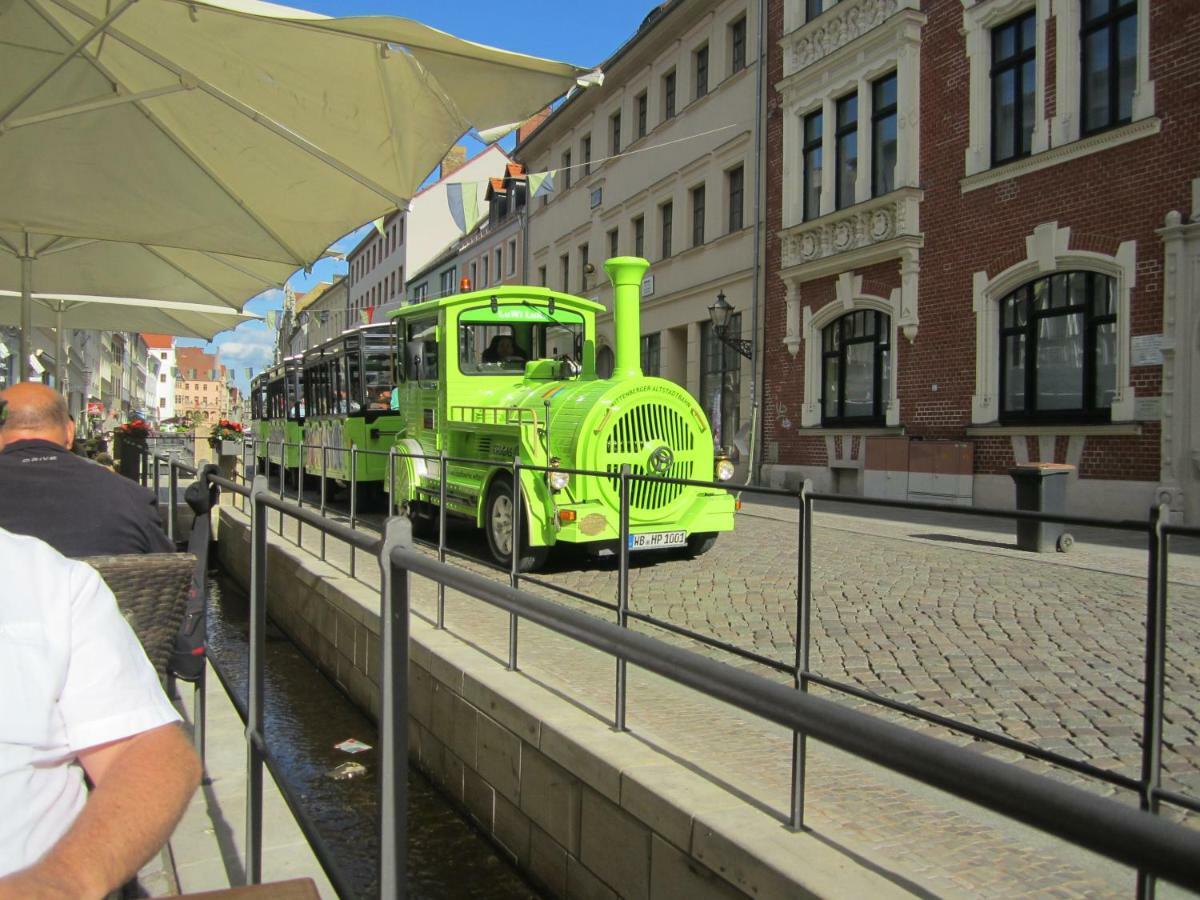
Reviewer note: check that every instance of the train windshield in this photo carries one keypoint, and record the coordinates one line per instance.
(500, 341)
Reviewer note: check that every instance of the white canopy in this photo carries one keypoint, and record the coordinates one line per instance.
(132, 314)
(233, 126)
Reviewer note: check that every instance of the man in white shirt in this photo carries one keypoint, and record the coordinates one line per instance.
(77, 694)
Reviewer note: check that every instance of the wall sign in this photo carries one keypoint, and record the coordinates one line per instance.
(1146, 350)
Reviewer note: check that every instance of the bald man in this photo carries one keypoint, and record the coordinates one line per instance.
(76, 506)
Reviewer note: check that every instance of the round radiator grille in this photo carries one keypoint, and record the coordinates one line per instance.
(638, 438)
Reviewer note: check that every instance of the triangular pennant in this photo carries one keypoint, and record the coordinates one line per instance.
(364, 317)
(378, 223)
(463, 198)
(541, 183)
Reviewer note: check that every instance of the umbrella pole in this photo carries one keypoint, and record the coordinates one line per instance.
(26, 317)
(60, 351)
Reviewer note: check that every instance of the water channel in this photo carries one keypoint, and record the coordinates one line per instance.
(306, 715)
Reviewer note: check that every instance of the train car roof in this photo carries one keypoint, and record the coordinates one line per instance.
(504, 293)
(337, 339)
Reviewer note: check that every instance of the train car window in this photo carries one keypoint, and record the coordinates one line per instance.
(377, 370)
(421, 350)
(500, 342)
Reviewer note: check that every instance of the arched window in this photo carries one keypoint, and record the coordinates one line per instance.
(855, 369)
(1058, 348)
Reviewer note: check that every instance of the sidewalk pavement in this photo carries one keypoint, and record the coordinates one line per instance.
(1096, 549)
(207, 850)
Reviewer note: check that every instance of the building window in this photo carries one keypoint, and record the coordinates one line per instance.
(448, 281)
(542, 276)
(614, 130)
(512, 256)
(700, 69)
(483, 271)
(736, 180)
(666, 216)
(812, 9)
(642, 105)
(737, 45)
(1058, 348)
(639, 236)
(697, 216)
(668, 82)
(162, 379)
(583, 266)
(855, 368)
(564, 266)
(499, 264)
(846, 139)
(566, 170)
(651, 364)
(1109, 41)
(585, 151)
(883, 135)
(474, 270)
(1014, 82)
(813, 155)
(613, 243)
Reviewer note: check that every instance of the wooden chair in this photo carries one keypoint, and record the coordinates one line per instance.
(152, 591)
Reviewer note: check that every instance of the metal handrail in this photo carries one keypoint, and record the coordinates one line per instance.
(1158, 532)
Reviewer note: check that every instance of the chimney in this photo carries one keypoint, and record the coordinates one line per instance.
(530, 125)
(625, 273)
(455, 159)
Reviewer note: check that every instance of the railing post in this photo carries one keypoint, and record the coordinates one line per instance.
(514, 576)
(803, 646)
(172, 496)
(300, 451)
(391, 482)
(324, 475)
(1154, 681)
(393, 707)
(157, 478)
(282, 476)
(143, 469)
(255, 717)
(353, 502)
(622, 590)
(441, 597)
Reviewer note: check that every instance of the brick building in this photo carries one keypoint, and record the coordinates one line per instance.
(983, 248)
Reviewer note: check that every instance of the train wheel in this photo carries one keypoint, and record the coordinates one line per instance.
(498, 525)
(699, 544)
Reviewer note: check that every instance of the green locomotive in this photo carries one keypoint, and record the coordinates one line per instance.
(510, 373)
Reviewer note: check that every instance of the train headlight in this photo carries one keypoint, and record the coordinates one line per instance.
(558, 480)
(724, 469)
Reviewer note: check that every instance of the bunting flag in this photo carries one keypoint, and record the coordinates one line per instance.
(249, 373)
(289, 297)
(541, 183)
(272, 318)
(174, 371)
(466, 203)
(364, 317)
(378, 223)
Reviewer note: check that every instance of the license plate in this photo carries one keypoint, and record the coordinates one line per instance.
(656, 540)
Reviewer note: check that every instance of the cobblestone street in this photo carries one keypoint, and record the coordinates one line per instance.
(1044, 648)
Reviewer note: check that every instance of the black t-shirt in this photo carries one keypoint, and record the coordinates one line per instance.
(77, 506)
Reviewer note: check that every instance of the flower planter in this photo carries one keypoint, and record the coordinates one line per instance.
(229, 448)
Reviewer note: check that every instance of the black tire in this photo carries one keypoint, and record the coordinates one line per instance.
(497, 526)
(699, 543)
(424, 519)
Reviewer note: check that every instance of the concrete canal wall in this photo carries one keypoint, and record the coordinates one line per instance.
(585, 811)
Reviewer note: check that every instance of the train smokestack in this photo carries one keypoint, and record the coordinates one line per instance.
(626, 273)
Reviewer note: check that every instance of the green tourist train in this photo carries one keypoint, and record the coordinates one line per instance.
(490, 377)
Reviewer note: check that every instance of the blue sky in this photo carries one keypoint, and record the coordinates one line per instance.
(582, 34)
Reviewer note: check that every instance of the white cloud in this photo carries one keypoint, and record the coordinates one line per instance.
(251, 345)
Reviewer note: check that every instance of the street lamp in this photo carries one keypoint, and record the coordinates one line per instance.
(719, 314)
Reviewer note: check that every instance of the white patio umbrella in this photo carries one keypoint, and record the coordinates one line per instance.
(92, 313)
(233, 127)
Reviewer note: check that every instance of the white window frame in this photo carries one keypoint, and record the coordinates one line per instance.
(849, 298)
(1063, 128)
(1048, 250)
